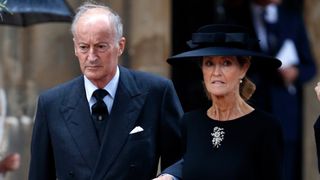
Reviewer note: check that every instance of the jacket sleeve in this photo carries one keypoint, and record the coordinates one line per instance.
(170, 128)
(175, 169)
(41, 163)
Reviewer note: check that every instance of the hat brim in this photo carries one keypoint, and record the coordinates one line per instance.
(258, 59)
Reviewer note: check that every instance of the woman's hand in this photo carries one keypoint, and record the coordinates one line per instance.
(317, 89)
(164, 177)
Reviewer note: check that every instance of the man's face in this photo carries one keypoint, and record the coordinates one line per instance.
(97, 48)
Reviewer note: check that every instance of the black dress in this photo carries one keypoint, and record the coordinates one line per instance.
(246, 148)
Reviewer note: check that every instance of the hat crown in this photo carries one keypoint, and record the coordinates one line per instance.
(223, 28)
(224, 40)
(222, 36)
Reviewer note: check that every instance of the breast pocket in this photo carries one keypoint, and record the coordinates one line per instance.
(139, 135)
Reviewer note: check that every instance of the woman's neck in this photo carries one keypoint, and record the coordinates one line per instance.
(225, 109)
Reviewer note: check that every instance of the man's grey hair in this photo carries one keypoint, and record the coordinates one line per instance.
(113, 17)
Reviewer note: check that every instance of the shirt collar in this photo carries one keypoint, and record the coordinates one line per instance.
(111, 87)
(271, 12)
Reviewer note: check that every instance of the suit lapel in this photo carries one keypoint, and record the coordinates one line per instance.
(76, 113)
(127, 105)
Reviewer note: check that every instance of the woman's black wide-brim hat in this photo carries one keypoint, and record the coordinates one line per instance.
(224, 40)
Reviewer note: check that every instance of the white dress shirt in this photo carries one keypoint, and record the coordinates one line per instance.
(111, 87)
(270, 14)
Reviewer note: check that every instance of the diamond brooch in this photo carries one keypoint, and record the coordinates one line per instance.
(217, 136)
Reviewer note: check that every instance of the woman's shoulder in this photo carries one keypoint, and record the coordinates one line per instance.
(263, 114)
(265, 119)
(194, 117)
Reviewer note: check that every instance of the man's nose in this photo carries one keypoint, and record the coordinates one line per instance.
(92, 54)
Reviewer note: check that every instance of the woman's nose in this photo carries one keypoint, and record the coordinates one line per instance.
(216, 70)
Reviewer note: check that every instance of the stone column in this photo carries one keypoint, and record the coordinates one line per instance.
(149, 43)
(147, 30)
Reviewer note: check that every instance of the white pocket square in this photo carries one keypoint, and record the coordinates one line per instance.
(136, 130)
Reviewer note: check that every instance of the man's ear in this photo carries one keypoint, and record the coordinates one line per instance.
(122, 44)
(74, 47)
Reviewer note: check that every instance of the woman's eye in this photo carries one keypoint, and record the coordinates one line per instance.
(226, 63)
(208, 63)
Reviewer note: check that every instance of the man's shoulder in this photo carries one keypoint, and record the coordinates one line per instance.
(142, 76)
(63, 87)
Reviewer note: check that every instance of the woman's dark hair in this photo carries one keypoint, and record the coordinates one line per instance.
(247, 87)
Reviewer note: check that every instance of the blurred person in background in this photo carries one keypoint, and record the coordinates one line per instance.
(9, 163)
(283, 34)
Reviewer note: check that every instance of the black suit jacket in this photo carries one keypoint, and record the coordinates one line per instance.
(65, 145)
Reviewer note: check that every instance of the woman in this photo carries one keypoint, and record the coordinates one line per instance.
(230, 139)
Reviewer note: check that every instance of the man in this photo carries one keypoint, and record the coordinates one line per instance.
(283, 34)
(135, 124)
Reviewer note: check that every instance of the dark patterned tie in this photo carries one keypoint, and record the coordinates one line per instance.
(99, 109)
(100, 112)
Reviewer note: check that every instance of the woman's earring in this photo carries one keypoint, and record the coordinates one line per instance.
(240, 81)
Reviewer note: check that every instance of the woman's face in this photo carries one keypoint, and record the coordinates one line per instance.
(222, 75)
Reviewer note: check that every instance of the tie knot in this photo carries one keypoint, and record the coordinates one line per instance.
(99, 94)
